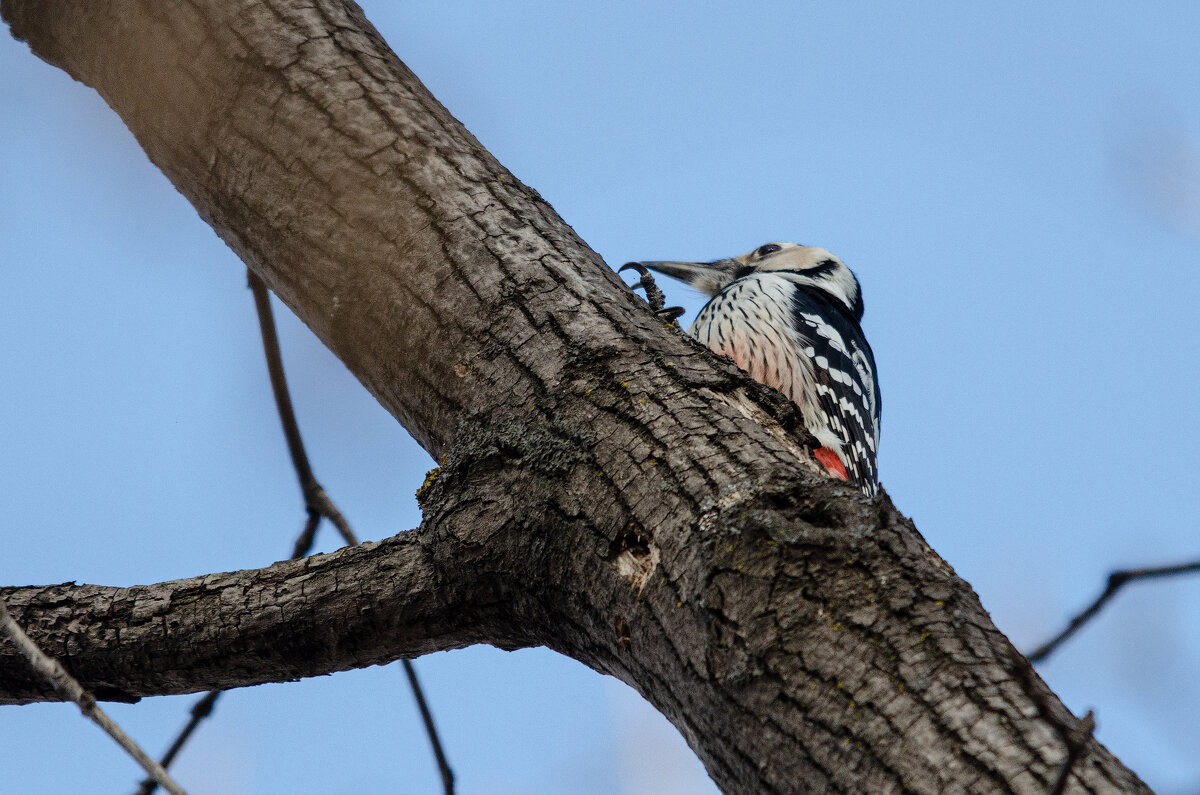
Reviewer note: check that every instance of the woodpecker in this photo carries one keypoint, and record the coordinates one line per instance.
(789, 315)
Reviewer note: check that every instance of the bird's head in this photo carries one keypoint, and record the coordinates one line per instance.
(803, 265)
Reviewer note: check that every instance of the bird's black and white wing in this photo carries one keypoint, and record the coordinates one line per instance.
(843, 372)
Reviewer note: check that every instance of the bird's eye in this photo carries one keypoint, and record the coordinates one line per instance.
(770, 248)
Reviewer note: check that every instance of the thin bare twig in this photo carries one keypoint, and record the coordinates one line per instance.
(200, 710)
(1116, 581)
(430, 729)
(316, 501)
(318, 504)
(66, 684)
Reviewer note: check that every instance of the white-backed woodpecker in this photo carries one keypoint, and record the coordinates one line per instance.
(789, 315)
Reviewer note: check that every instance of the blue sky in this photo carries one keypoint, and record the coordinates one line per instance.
(1011, 184)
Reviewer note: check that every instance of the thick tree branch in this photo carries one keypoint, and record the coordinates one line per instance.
(359, 606)
(608, 488)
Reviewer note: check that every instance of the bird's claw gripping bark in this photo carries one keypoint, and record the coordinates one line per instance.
(671, 313)
(654, 296)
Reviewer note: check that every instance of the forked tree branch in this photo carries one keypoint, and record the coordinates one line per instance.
(319, 505)
(318, 502)
(608, 488)
(1116, 581)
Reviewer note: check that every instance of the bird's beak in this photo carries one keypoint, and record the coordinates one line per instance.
(707, 277)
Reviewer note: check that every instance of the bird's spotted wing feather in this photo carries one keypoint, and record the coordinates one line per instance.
(843, 369)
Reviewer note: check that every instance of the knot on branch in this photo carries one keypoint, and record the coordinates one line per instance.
(787, 505)
(500, 444)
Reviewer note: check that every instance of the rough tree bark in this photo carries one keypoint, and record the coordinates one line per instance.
(607, 488)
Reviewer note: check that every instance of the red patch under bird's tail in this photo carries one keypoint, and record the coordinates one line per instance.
(831, 461)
